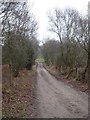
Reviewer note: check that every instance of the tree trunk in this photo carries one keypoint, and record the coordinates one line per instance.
(70, 71)
(88, 46)
(10, 66)
(84, 74)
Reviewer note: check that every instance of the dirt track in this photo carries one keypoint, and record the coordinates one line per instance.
(55, 99)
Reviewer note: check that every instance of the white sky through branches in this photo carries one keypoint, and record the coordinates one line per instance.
(40, 9)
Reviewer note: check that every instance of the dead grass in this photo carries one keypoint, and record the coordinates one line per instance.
(17, 93)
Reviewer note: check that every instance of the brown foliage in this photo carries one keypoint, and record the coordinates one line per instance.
(18, 96)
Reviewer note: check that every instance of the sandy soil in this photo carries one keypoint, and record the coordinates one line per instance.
(55, 99)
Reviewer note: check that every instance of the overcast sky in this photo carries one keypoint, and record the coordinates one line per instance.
(41, 7)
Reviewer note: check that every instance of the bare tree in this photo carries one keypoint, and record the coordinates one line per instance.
(17, 28)
(63, 23)
(56, 25)
(72, 31)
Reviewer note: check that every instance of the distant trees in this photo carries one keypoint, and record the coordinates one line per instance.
(18, 29)
(72, 31)
(50, 51)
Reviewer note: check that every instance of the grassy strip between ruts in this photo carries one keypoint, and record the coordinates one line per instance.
(17, 97)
